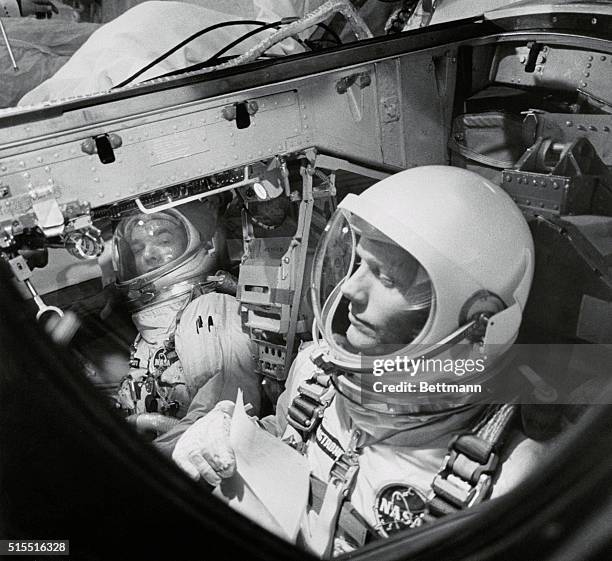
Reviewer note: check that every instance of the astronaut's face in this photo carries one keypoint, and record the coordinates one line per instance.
(155, 242)
(379, 308)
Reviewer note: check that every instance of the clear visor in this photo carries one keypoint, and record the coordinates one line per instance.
(147, 242)
(371, 296)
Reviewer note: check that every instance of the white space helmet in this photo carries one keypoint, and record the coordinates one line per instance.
(159, 256)
(432, 262)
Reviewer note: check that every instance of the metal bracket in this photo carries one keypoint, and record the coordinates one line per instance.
(104, 145)
(240, 112)
(47, 210)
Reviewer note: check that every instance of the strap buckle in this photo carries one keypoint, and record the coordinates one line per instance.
(463, 482)
(481, 490)
(467, 473)
(343, 472)
(308, 407)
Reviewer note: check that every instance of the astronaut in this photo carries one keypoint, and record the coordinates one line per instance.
(187, 332)
(442, 273)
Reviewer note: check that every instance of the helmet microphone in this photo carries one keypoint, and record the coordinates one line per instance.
(479, 308)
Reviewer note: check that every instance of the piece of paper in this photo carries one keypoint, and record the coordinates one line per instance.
(240, 497)
(272, 482)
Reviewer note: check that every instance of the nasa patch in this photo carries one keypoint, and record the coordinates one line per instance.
(398, 507)
(161, 360)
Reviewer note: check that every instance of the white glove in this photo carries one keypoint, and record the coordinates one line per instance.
(204, 449)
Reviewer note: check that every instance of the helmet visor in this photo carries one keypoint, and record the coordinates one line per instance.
(146, 242)
(371, 296)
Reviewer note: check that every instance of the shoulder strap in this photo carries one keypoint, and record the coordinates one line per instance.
(464, 480)
(467, 474)
(307, 408)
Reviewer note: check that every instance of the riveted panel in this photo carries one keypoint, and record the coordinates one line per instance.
(170, 149)
(557, 68)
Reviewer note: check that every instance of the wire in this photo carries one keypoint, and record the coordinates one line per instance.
(243, 38)
(188, 40)
(216, 58)
(329, 30)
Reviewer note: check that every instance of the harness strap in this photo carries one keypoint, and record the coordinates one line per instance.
(349, 520)
(319, 535)
(464, 480)
(466, 476)
(307, 408)
(168, 347)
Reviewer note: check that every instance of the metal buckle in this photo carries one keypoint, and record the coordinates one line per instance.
(447, 467)
(319, 358)
(481, 490)
(443, 469)
(343, 471)
(299, 426)
(314, 391)
(456, 492)
(477, 492)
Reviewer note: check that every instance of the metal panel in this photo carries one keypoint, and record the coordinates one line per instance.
(565, 127)
(555, 68)
(156, 151)
(343, 114)
(428, 88)
(338, 112)
(547, 194)
(166, 94)
(389, 108)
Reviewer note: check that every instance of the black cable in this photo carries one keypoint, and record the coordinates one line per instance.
(329, 30)
(243, 38)
(188, 40)
(216, 58)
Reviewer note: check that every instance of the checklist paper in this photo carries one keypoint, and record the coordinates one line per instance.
(271, 483)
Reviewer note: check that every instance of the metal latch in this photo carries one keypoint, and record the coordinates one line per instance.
(241, 112)
(532, 57)
(104, 145)
(361, 80)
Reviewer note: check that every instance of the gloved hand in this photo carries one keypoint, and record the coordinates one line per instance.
(204, 449)
(43, 7)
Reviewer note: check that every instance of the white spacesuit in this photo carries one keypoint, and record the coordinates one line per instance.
(442, 274)
(187, 333)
